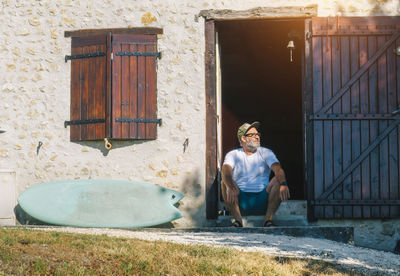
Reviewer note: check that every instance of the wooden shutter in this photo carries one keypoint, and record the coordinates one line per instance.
(88, 88)
(353, 125)
(134, 95)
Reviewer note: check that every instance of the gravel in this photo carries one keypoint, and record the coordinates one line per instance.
(362, 260)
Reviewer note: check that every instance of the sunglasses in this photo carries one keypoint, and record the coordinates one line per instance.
(253, 135)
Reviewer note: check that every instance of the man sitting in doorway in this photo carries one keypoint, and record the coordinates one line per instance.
(245, 178)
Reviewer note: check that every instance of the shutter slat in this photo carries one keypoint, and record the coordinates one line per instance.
(141, 101)
(75, 108)
(125, 91)
(85, 79)
(133, 69)
(100, 94)
(151, 92)
(91, 94)
(116, 93)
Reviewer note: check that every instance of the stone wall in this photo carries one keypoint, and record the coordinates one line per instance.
(373, 233)
(35, 95)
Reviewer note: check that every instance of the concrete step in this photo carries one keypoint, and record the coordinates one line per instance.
(290, 220)
(290, 213)
(257, 221)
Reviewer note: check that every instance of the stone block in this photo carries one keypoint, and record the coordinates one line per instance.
(388, 229)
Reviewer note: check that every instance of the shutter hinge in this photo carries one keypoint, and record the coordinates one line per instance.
(139, 120)
(84, 122)
(144, 54)
(308, 35)
(88, 55)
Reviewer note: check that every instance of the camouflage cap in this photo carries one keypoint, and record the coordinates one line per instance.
(245, 127)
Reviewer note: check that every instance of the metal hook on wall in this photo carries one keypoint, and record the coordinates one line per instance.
(40, 144)
(107, 144)
(185, 144)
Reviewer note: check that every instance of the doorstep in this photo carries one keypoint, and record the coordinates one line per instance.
(338, 234)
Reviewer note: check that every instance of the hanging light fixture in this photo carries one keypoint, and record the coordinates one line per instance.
(291, 47)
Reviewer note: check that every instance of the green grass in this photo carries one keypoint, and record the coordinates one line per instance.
(32, 252)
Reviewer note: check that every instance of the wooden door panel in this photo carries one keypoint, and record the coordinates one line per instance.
(355, 138)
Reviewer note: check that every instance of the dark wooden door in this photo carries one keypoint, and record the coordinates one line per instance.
(352, 125)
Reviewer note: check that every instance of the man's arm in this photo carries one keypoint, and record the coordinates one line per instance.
(280, 175)
(232, 190)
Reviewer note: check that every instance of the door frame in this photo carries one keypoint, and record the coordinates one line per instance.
(308, 137)
(211, 168)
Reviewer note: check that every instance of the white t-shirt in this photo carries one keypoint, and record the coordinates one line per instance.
(251, 172)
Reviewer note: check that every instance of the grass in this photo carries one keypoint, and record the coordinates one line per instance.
(33, 252)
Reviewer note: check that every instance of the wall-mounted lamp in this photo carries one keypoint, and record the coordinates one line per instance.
(291, 47)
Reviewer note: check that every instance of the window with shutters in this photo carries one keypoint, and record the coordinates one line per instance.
(113, 84)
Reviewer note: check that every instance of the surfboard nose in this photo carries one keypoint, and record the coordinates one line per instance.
(175, 196)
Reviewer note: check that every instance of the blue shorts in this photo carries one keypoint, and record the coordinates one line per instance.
(253, 203)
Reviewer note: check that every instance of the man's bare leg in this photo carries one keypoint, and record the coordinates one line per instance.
(233, 208)
(274, 199)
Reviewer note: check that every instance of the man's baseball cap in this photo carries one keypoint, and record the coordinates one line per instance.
(245, 127)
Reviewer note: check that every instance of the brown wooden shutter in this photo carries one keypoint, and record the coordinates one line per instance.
(88, 88)
(353, 125)
(134, 98)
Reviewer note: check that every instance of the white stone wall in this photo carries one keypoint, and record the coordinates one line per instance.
(35, 95)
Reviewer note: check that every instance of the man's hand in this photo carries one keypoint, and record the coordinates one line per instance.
(284, 193)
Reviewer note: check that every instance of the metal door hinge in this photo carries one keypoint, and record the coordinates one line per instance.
(308, 35)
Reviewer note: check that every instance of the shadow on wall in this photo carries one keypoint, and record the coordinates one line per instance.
(115, 144)
(195, 200)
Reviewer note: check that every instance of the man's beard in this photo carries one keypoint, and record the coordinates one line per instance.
(252, 146)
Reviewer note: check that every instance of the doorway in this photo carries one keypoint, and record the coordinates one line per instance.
(260, 82)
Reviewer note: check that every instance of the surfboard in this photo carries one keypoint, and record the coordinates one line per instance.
(101, 203)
